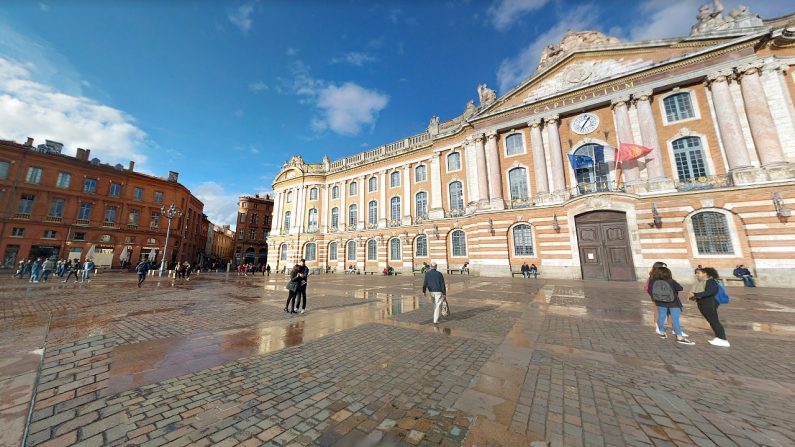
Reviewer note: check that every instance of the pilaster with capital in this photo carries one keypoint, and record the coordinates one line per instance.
(731, 133)
(361, 220)
(624, 129)
(493, 166)
(471, 167)
(382, 201)
(343, 207)
(436, 211)
(325, 209)
(407, 195)
(277, 205)
(558, 182)
(539, 159)
(760, 119)
(482, 170)
(649, 136)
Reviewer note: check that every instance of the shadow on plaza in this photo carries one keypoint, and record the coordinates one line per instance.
(463, 314)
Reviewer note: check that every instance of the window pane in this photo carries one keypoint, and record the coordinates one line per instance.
(158, 197)
(459, 243)
(372, 250)
(115, 190)
(34, 175)
(353, 216)
(4, 166)
(373, 184)
(456, 196)
(138, 194)
(352, 188)
(513, 144)
(422, 246)
(689, 158)
(90, 185)
(394, 209)
(56, 208)
(283, 252)
(332, 251)
(313, 194)
(394, 179)
(351, 250)
(335, 217)
(372, 213)
(287, 217)
(421, 205)
(394, 249)
(335, 192)
(310, 252)
(517, 178)
(712, 233)
(522, 240)
(420, 173)
(64, 180)
(678, 107)
(454, 161)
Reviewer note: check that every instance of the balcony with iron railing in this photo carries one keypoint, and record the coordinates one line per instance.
(54, 219)
(83, 222)
(704, 182)
(455, 212)
(395, 223)
(22, 216)
(351, 227)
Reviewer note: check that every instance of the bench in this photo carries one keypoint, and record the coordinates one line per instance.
(372, 272)
(459, 271)
(518, 272)
(729, 277)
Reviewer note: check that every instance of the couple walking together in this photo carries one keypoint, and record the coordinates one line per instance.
(297, 287)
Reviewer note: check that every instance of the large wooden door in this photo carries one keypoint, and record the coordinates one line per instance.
(604, 248)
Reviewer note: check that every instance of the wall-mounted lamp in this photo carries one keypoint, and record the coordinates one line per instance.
(555, 224)
(656, 218)
(491, 227)
(435, 231)
(782, 210)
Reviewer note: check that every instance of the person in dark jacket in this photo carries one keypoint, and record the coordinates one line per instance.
(292, 286)
(525, 270)
(434, 283)
(142, 269)
(674, 308)
(743, 273)
(704, 294)
(300, 301)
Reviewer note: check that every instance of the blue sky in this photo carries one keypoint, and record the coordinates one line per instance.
(224, 92)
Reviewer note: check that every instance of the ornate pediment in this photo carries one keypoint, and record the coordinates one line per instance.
(584, 72)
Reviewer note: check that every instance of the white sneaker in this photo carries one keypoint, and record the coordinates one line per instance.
(303, 310)
(657, 330)
(719, 342)
(684, 334)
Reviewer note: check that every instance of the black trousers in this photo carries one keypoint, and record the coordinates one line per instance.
(709, 309)
(141, 278)
(301, 295)
(290, 305)
(71, 272)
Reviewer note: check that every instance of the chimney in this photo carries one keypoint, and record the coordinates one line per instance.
(173, 176)
(81, 154)
(88, 151)
(29, 143)
(132, 165)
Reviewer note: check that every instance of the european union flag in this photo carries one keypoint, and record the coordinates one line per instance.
(580, 161)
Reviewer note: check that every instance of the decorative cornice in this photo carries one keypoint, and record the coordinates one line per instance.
(535, 122)
(491, 135)
(750, 69)
(551, 119)
(622, 100)
(642, 95)
(719, 76)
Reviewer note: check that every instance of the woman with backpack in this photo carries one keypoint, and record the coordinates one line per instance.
(665, 293)
(705, 293)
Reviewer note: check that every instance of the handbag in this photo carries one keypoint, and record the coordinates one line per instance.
(292, 286)
(445, 311)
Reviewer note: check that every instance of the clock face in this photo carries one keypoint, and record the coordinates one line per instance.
(585, 123)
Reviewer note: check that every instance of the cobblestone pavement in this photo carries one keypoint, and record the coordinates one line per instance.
(216, 361)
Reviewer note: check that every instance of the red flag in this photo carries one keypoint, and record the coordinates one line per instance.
(628, 151)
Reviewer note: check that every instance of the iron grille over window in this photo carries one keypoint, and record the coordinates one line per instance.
(522, 240)
(712, 233)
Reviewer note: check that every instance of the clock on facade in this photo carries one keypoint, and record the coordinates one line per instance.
(585, 123)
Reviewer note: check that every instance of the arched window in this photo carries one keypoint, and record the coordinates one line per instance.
(353, 215)
(372, 212)
(372, 250)
(394, 250)
(313, 218)
(394, 209)
(678, 107)
(310, 252)
(517, 178)
(335, 217)
(335, 192)
(594, 175)
(459, 241)
(712, 234)
(689, 158)
(454, 161)
(352, 188)
(456, 195)
(372, 184)
(332, 251)
(421, 204)
(289, 196)
(422, 247)
(287, 218)
(283, 252)
(313, 194)
(420, 173)
(394, 179)
(522, 240)
(514, 144)
(351, 249)
(262, 257)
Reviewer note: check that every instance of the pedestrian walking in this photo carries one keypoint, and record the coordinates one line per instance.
(292, 287)
(647, 289)
(434, 283)
(704, 293)
(47, 267)
(301, 297)
(142, 269)
(88, 267)
(664, 291)
(20, 269)
(187, 268)
(35, 271)
(59, 268)
(268, 269)
(72, 268)
(27, 268)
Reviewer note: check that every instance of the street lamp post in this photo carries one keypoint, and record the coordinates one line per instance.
(169, 213)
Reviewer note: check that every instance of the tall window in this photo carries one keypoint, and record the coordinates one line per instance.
(459, 241)
(394, 179)
(283, 252)
(154, 219)
(351, 249)
(394, 209)
(34, 175)
(712, 233)
(313, 218)
(597, 174)
(158, 197)
(84, 213)
(64, 180)
(4, 167)
(335, 192)
(287, 218)
(513, 144)
(454, 161)
(522, 240)
(56, 208)
(110, 215)
(422, 247)
(372, 184)
(517, 178)
(138, 193)
(332, 251)
(353, 215)
(372, 212)
(456, 196)
(90, 185)
(394, 249)
(420, 173)
(689, 158)
(372, 250)
(352, 188)
(678, 107)
(335, 217)
(310, 251)
(289, 196)
(135, 217)
(115, 190)
(313, 194)
(421, 204)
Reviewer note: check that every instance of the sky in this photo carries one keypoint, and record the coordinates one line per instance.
(224, 92)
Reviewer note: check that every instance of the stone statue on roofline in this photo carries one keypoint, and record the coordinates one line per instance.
(433, 126)
(714, 21)
(486, 95)
(470, 109)
(571, 41)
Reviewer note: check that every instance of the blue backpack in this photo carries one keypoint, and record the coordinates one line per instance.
(722, 297)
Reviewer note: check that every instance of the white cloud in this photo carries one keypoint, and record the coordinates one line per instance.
(220, 206)
(349, 107)
(505, 13)
(291, 51)
(354, 58)
(44, 7)
(33, 109)
(241, 17)
(257, 86)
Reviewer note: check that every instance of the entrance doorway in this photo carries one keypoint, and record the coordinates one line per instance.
(603, 242)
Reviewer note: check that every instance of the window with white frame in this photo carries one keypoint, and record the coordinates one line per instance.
(372, 212)
(289, 196)
(689, 157)
(456, 195)
(4, 167)
(420, 173)
(517, 179)
(64, 180)
(422, 246)
(459, 242)
(310, 252)
(335, 192)
(283, 252)
(394, 209)
(353, 215)
(522, 240)
(372, 184)
(335, 217)
(395, 250)
(110, 215)
(514, 144)
(454, 161)
(287, 218)
(678, 107)
(711, 232)
(313, 194)
(421, 204)
(352, 189)
(372, 250)
(332, 251)
(313, 218)
(25, 205)
(351, 249)
(394, 179)
(56, 208)
(34, 175)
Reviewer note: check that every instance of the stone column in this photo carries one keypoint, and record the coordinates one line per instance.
(539, 159)
(324, 209)
(360, 190)
(648, 132)
(343, 207)
(277, 205)
(763, 129)
(406, 195)
(482, 171)
(558, 182)
(382, 206)
(473, 194)
(495, 176)
(731, 133)
(436, 211)
(300, 209)
(624, 128)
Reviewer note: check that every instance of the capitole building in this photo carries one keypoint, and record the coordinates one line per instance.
(495, 187)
